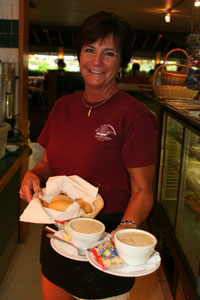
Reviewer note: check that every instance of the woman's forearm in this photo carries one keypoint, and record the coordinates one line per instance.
(139, 206)
(141, 201)
(43, 171)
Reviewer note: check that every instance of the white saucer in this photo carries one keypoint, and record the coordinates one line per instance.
(65, 249)
(129, 271)
(68, 251)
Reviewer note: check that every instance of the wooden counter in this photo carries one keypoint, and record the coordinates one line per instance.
(12, 169)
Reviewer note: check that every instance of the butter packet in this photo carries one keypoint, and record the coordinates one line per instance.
(107, 256)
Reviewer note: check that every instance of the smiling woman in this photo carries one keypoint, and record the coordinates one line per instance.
(108, 138)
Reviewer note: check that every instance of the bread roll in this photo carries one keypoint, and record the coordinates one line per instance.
(87, 207)
(60, 202)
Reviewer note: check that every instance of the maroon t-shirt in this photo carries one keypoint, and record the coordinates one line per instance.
(118, 134)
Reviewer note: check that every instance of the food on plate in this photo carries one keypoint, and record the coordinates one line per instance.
(107, 256)
(60, 202)
(63, 201)
(86, 206)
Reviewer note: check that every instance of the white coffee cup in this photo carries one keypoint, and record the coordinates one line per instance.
(84, 232)
(134, 246)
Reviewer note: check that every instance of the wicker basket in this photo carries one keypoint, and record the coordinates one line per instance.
(175, 77)
(170, 91)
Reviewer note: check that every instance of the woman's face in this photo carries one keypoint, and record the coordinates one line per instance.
(100, 63)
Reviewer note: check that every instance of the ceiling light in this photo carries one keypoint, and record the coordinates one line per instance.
(168, 17)
(197, 3)
(60, 53)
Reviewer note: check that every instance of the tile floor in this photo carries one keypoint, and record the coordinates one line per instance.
(23, 277)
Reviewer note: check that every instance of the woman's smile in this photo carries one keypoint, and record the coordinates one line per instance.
(96, 72)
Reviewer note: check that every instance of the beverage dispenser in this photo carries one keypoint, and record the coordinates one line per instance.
(7, 93)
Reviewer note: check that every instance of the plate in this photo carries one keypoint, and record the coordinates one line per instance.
(65, 249)
(129, 271)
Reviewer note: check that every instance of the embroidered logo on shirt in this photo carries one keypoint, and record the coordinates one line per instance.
(105, 133)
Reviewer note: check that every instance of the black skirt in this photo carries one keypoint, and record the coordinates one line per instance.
(79, 278)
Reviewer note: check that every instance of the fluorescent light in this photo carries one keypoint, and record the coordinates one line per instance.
(197, 3)
(167, 18)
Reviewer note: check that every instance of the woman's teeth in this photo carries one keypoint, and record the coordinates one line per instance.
(96, 72)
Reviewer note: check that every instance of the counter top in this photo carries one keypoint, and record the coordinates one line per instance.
(10, 163)
(187, 110)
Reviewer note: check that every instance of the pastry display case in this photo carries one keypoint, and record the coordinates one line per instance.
(178, 196)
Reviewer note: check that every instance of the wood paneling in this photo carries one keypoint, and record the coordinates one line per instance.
(23, 66)
(23, 94)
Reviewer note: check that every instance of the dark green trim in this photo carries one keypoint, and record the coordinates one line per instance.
(15, 26)
(9, 33)
(5, 26)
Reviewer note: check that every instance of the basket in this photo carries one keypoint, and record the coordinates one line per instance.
(175, 77)
(98, 205)
(170, 91)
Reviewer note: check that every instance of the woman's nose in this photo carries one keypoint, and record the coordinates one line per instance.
(97, 59)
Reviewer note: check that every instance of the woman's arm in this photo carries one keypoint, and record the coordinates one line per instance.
(141, 200)
(34, 179)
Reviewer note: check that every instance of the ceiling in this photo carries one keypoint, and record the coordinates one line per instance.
(55, 23)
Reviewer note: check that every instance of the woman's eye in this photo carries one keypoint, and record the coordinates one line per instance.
(109, 53)
(89, 50)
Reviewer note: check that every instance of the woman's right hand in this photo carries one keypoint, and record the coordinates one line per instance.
(30, 185)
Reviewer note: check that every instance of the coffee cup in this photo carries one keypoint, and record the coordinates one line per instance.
(134, 246)
(84, 232)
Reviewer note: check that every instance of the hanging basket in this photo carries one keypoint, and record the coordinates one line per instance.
(170, 91)
(177, 78)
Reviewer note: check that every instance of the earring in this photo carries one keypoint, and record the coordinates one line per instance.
(119, 75)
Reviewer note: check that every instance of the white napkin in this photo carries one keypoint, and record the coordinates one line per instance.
(153, 260)
(74, 186)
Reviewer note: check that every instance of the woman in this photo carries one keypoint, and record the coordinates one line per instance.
(108, 138)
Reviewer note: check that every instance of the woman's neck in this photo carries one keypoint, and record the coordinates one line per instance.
(97, 95)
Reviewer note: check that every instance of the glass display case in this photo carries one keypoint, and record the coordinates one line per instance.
(171, 167)
(188, 213)
(179, 192)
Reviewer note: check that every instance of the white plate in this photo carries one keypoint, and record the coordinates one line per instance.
(129, 271)
(65, 249)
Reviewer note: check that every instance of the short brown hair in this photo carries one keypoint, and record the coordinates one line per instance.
(100, 26)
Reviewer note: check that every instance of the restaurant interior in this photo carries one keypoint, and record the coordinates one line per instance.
(163, 32)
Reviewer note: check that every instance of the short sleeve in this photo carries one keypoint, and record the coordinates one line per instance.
(140, 142)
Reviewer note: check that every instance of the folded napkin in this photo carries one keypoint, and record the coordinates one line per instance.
(74, 186)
